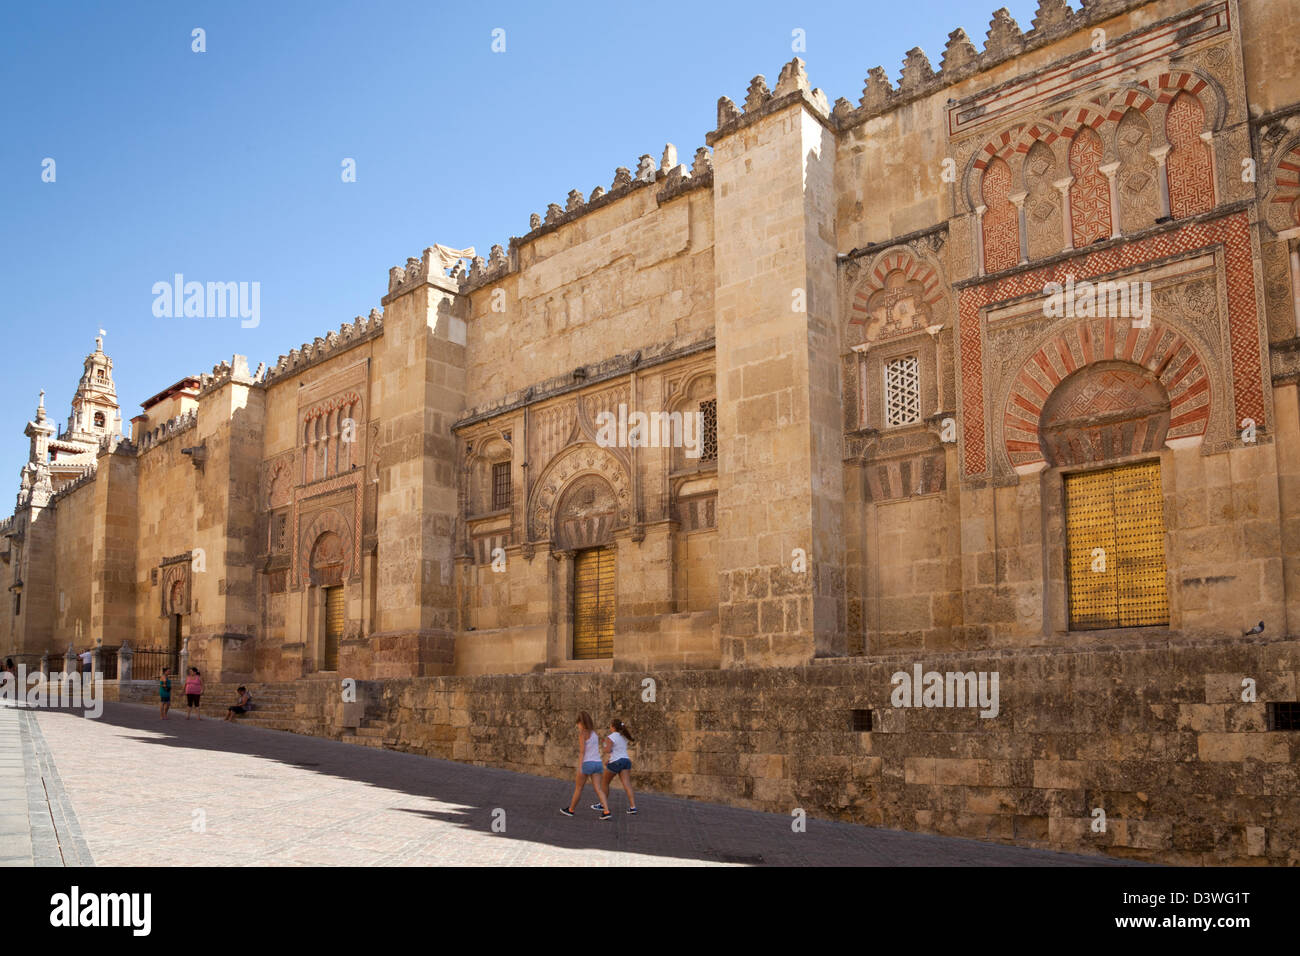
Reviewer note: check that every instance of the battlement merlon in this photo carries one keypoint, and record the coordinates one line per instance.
(1004, 41)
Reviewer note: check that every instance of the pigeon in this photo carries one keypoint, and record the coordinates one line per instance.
(1257, 629)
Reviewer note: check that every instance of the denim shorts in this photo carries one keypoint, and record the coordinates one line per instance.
(618, 766)
(590, 766)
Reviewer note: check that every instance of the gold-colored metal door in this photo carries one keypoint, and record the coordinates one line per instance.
(1115, 532)
(334, 618)
(593, 604)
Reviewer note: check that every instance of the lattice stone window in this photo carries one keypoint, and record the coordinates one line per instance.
(902, 391)
(279, 524)
(501, 486)
(709, 438)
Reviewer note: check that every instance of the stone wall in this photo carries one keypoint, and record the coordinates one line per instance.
(1156, 736)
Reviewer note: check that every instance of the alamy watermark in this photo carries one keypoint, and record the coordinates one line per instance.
(210, 300)
(950, 689)
(1086, 300)
(651, 430)
(81, 691)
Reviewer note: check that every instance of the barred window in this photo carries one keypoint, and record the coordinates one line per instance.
(279, 524)
(902, 391)
(500, 485)
(709, 438)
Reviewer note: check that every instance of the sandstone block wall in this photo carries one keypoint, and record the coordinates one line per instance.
(1158, 737)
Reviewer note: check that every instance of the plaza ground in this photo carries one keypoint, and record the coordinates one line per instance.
(131, 790)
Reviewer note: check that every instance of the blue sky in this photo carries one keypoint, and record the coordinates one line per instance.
(225, 165)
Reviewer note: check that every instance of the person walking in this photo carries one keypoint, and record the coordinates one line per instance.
(588, 765)
(165, 693)
(193, 692)
(619, 765)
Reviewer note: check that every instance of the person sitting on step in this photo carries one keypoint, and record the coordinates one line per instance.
(243, 706)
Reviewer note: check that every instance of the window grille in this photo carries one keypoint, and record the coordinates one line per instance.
(903, 391)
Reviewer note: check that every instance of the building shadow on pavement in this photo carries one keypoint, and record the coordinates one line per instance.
(666, 827)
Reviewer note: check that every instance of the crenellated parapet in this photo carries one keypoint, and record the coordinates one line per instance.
(164, 432)
(349, 334)
(86, 478)
(791, 86)
(672, 176)
(1004, 40)
(235, 370)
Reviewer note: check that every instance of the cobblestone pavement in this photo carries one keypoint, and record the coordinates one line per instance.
(140, 788)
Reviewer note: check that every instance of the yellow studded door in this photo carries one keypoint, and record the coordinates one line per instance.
(593, 604)
(333, 628)
(1115, 540)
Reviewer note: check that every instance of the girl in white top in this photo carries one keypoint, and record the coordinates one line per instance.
(588, 765)
(619, 765)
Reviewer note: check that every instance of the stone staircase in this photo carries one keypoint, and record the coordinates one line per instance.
(371, 733)
(274, 705)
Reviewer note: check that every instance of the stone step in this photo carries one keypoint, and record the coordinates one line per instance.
(362, 741)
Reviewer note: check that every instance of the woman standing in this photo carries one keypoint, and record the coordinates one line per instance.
(193, 691)
(588, 765)
(165, 693)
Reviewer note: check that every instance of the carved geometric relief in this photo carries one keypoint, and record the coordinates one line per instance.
(1239, 367)
(1090, 191)
(1191, 181)
(922, 474)
(1139, 187)
(279, 482)
(898, 296)
(587, 514)
(1162, 386)
(1102, 412)
(1001, 224)
(331, 421)
(1283, 210)
(550, 429)
(175, 590)
(1043, 204)
(575, 461)
(329, 556)
(342, 519)
(593, 404)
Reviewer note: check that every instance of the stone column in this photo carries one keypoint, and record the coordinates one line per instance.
(1109, 170)
(70, 661)
(1207, 138)
(979, 239)
(1161, 155)
(125, 657)
(1022, 230)
(561, 643)
(1295, 284)
(1067, 223)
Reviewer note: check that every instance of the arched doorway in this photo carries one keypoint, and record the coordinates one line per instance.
(585, 522)
(1103, 424)
(328, 559)
(175, 620)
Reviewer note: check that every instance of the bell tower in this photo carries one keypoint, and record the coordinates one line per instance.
(95, 412)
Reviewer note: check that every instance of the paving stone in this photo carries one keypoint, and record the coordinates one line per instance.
(280, 799)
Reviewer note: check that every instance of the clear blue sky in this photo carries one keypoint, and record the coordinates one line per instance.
(225, 165)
